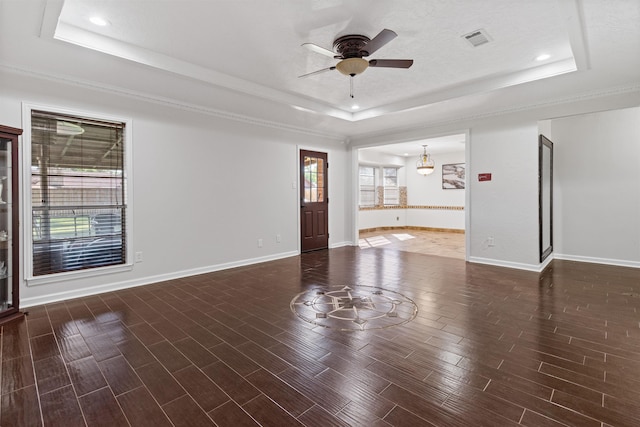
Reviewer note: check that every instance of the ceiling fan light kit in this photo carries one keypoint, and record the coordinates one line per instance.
(352, 66)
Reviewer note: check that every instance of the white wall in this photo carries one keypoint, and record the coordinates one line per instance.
(205, 188)
(435, 218)
(427, 190)
(505, 208)
(597, 187)
(374, 218)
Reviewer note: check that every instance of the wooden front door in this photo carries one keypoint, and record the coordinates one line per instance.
(314, 202)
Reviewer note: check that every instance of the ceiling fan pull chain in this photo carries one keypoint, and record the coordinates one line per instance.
(351, 87)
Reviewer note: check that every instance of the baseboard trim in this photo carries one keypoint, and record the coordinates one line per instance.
(596, 260)
(508, 264)
(95, 290)
(412, 227)
(547, 261)
(341, 244)
(554, 256)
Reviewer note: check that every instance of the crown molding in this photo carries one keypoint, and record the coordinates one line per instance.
(396, 134)
(76, 36)
(172, 103)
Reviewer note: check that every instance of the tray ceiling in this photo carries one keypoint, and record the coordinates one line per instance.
(255, 46)
(243, 58)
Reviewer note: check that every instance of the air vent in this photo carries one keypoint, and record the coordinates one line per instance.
(477, 38)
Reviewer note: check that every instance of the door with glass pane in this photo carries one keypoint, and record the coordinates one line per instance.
(314, 202)
(9, 217)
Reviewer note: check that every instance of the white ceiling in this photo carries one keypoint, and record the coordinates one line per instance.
(244, 56)
(260, 42)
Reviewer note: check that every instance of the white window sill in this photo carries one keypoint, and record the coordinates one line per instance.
(79, 274)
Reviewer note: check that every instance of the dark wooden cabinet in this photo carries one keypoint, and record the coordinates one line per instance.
(9, 225)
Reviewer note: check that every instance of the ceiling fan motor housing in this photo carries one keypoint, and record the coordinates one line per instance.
(351, 46)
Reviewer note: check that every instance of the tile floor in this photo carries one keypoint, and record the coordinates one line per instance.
(488, 347)
(451, 245)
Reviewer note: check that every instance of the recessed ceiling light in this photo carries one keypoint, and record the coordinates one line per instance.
(355, 107)
(99, 21)
(543, 57)
(406, 154)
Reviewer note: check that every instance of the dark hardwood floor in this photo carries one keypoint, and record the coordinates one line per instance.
(488, 347)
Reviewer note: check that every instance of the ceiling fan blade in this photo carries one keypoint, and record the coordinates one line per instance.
(391, 63)
(319, 49)
(318, 72)
(384, 37)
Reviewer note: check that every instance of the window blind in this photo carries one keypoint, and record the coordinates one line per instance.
(391, 189)
(78, 189)
(367, 186)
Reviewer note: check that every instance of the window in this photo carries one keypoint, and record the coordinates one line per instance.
(391, 190)
(367, 186)
(313, 179)
(78, 192)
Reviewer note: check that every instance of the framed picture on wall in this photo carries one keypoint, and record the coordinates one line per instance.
(453, 176)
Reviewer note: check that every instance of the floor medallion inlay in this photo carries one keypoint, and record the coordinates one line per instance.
(354, 308)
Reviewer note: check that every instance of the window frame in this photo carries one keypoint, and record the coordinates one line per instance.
(26, 197)
(396, 187)
(375, 180)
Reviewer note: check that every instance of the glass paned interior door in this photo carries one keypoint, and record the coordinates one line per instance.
(6, 296)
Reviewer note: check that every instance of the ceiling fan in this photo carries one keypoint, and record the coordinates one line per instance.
(351, 50)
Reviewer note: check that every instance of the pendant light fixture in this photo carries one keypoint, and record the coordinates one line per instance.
(425, 166)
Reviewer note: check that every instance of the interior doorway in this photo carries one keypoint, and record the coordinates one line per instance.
(314, 201)
(430, 215)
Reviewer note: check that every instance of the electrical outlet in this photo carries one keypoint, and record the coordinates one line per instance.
(139, 256)
(278, 238)
(259, 243)
(490, 242)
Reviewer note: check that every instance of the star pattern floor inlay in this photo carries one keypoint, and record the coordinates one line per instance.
(354, 308)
